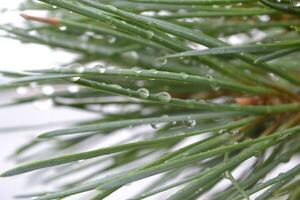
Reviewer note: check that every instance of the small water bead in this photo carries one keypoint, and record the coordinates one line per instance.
(33, 33)
(48, 90)
(54, 7)
(73, 88)
(150, 34)
(221, 131)
(90, 33)
(273, 77)
(190, 123)
(227, 175)
(100, 68)
(160, 62)
(116, 86)
(112, 8)
(264, 18)
(76, 78)
(154, 126)
(22, 90)
(202, 101)
(235, 132)
(164, 97)
(131, 56)
(63, 28)
(111, 39)
(184, 75)
(215, 87)
(79, 69)
(143, 93)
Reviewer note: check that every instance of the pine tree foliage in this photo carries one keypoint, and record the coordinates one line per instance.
(217, 80)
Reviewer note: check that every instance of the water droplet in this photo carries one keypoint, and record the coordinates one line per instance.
(22, 90)
(190, 123)
(54, 7)
(273, 77)
(235, 132)
(214, 86)
(202, 101)
(111, 39)
(264, 18)
(150, 34)
(163, 97)
(161, 61)
(90, 33)
(48, 90)
(100, 68)
(62, 28)
(116, 86)
(184, 75)
(76, 78)
(112, 8)
(227, 175)
(33, 33)
(143, 93)
(154, 126)
(221, 131)
(43, 104)
(73, 88)
(79, 69)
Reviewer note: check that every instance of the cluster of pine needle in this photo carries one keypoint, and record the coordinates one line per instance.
(207, 89)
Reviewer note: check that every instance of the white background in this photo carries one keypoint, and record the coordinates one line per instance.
(17, 56)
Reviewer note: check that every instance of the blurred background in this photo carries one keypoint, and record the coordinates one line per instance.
(19, 56)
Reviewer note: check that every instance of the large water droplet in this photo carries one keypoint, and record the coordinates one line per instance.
(163, 97)
(143, 93)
